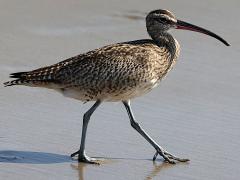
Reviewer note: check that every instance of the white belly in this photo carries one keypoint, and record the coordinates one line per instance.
(129, 93)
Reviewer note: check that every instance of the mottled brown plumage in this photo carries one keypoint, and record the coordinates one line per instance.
(117, 72)
(111, 73)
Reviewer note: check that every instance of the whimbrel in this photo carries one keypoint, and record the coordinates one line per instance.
(117, 72)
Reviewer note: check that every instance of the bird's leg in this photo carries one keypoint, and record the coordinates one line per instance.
(82, 157)
(166, 155)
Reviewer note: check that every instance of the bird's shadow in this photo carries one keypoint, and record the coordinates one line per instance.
(30, 157)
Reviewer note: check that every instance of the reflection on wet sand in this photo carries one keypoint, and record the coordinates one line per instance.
(153, 172)
(156, 169)
(80, 167)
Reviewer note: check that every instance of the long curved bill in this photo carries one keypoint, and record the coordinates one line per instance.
(187, 26)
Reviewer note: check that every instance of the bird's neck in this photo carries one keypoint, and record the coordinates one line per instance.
(164, 39)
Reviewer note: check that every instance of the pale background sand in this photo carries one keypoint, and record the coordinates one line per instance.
(194, 113)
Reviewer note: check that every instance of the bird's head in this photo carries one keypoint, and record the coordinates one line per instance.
(163, 20)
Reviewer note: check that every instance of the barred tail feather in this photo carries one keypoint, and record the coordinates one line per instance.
(31, 78)
(20, 79)
(14, 82)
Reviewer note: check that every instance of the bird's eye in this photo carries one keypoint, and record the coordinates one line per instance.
(164, 20)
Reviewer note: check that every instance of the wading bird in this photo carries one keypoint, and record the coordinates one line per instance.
(117, 72)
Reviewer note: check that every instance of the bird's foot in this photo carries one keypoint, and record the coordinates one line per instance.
(168, 157)
(82, 157)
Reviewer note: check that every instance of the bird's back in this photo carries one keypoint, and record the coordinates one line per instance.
(114, 72)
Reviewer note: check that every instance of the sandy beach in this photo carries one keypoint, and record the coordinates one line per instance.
(194, 113)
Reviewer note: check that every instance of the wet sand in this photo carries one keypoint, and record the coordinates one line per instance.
(194, 113)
